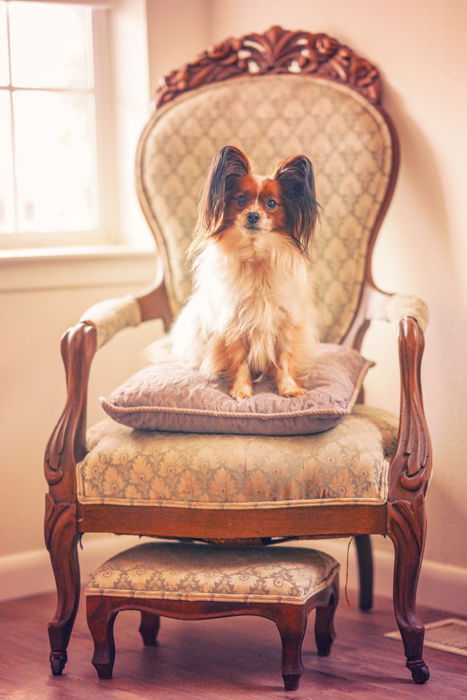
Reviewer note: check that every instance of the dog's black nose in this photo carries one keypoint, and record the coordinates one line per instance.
(252, 218)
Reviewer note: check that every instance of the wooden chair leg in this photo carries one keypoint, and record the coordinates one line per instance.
(324, 622)
(149, 628)
(407, 527)
(365, 570)
(101, 619)
(291, 623)
(61, 540)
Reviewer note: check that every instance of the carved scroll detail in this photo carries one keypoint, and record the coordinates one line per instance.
(58, 517)
(408, 518)
(67, 442)
(61, 535)
(411, 465)
(275, 51)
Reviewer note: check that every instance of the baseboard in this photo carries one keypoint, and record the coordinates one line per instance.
(29, 573)
(441, 586)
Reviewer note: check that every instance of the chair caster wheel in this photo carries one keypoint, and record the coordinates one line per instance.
(58, 660)
(420, 671)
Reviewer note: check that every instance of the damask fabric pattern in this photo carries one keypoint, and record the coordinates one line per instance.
(178, 571)
(345, 465)
(272, 118)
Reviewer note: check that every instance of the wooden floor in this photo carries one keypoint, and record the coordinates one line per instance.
(218, 659)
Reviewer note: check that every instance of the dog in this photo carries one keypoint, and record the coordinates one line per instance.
(251, 312)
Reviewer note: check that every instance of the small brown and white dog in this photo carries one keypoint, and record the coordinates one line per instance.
(251, 312)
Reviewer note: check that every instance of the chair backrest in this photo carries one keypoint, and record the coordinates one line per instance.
(275, 95)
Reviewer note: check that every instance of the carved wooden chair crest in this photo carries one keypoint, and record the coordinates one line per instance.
(273, 95)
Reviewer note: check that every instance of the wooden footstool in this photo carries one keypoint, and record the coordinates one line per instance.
(200, 581)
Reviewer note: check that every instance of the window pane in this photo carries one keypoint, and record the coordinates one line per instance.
(50, 45)
(4, 72)
(7, 206)
(54, 156)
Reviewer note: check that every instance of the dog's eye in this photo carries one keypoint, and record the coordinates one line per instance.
(271, 204)
(242, 200)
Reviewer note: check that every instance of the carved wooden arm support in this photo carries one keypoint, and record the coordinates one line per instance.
(67, 444)
(410, 467)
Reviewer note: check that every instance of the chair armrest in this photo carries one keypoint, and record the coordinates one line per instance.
(110, 316)
(400, 306)
(410, 468)
(98, 325)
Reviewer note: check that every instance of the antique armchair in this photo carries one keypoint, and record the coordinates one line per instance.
(273, 95)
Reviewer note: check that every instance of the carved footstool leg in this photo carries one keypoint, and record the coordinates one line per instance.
(149, 628)
(291, 623)
(324, 622)
(207, 581)
(101, 618)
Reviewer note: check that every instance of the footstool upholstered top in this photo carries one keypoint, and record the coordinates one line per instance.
(187, 571)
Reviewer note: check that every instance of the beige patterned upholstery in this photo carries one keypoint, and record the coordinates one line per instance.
(345, 465)
(177, 571)
(111, 316)
(272, 118)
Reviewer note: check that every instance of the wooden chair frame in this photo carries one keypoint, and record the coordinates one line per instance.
(402, 517)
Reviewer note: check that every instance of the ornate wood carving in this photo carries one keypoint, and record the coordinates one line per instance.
(56, 516)
(411, 465)
(61, 537)
(407, 523)
(275, 51)
(67, 442)
(290, 620)
(65, 448)
(408, 479)
(407, 527)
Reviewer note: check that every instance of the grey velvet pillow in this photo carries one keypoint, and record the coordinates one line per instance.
(172, 397)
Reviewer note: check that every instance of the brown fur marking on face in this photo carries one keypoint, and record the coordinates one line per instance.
(252, 195)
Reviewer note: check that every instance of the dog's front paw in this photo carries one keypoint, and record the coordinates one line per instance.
(241, 391)
(289, 388)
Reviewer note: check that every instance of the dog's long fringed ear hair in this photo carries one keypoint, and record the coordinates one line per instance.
(295, 176)
(229, 164)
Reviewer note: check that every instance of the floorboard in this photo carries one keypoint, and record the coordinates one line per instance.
(218, 659)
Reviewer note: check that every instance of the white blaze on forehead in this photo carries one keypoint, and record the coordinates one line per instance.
(260, 180)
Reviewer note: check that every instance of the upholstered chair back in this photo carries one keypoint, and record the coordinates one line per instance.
(272, 117)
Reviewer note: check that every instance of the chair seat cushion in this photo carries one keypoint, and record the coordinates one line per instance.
(345, 465)
(173, 397)
(179, 571)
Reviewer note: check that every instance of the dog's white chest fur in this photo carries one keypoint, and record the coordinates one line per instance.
(252, 295)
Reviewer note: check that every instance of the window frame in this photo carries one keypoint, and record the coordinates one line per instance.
(106, 231)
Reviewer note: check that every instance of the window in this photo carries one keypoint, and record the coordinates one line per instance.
(52, 151)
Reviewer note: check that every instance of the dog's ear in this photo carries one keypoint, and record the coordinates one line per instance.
(295, 177)
(229, 164)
